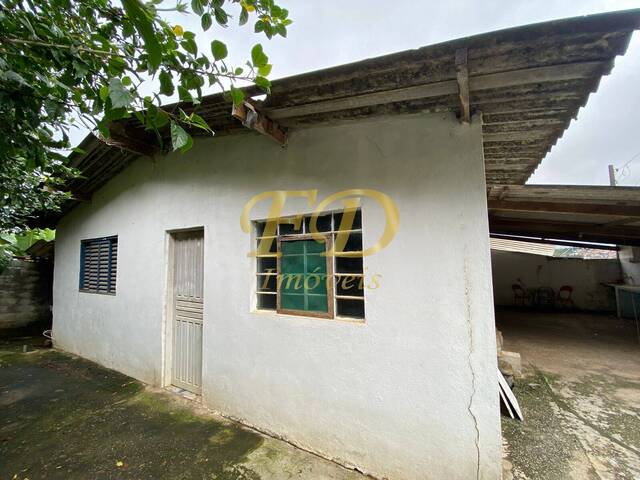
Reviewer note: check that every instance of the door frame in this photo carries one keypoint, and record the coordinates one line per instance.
(167, 320)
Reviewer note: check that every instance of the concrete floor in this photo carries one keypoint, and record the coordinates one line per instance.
(63, 417)
(580, 397)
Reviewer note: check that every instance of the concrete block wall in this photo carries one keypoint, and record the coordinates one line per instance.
(25, 295)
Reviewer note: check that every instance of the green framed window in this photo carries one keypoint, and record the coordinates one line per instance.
(299, 272)
(304, 280)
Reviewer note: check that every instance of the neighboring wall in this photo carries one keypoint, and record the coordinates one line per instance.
(25, 295)
(630, 264)
(409, 393)
(585, 276)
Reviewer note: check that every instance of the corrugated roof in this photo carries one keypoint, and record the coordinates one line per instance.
(522, 247)
(571, 212)
(528, 82)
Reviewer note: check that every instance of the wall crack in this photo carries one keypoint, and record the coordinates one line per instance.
(468, 316)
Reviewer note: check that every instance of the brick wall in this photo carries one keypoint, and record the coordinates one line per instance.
(25, 295)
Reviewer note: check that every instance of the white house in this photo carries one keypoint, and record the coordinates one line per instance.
(394, 374)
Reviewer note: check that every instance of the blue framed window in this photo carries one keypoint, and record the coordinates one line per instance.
(99, 265)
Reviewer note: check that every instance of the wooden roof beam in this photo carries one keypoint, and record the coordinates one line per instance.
(139, 144)
(568, 207)
(462, 75)
(252, 119)
(552, 73)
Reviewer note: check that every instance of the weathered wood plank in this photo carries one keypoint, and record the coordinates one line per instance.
(462, 76)
(565, 207)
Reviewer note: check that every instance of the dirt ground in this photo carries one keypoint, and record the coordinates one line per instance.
(62, 417)
(580, 396)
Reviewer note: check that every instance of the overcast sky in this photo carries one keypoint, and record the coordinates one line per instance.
(332, 32)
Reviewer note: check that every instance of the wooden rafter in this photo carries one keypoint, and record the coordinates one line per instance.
(462, 75)
(251, 118)
(552, 73)
(565, 207)
(120, 137)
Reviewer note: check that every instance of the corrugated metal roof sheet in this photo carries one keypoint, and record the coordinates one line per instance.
(570, 212)
(522, 247)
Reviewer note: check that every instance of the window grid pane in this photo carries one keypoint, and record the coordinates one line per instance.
(304, 276)
(347, 283)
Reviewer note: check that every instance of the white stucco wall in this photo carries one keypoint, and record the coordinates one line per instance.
(630, 264)
(587, 277)
(411, 393)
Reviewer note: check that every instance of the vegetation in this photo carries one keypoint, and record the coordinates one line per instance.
(16, 245)
(66, 63)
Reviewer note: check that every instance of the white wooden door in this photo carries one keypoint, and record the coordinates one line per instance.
(188, 254)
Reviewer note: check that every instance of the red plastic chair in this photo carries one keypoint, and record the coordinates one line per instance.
(564, 296)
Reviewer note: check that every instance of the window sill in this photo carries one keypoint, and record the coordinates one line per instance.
(304, 317)
(109, 294)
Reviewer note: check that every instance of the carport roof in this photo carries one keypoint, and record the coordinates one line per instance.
(528, 82)
(566, 212)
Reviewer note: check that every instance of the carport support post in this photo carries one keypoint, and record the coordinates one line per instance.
(612, 176)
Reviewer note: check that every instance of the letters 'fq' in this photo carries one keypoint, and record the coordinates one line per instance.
(351, 201)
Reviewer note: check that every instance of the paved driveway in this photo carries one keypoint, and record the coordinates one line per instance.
(580, 397)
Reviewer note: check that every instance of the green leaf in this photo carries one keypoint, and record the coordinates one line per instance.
(81, 69)
(139, 116)
(103, 128)
(206, 21)
(238, 71)
(15, 77)
(265, 70)
(196, 6)
(184, 94)
(258, 57)
(119, 95)
(219, 50)
(244, 17)
(104, 93)
(142, 20)
(190, 46)
(126, 81)
(180, 139)
(161, 119)
(237, 95)
(166, 84)
(116, 66)
(221, 16)
(263, 83)
(200, 122)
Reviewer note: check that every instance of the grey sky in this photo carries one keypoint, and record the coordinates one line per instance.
(332, 32)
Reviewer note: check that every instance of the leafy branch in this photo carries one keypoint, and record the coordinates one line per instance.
(88, 62)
